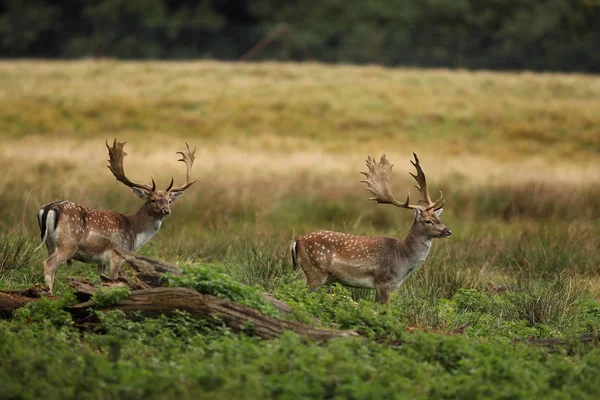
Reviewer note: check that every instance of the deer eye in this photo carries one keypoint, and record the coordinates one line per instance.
(429, 222)
(153, 201)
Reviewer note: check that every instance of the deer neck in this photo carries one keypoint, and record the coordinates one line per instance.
(144, 226)
(415, 246)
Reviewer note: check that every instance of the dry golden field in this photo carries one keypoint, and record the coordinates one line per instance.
(286, 119)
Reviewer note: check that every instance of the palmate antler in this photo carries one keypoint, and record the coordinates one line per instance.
(115, 160)
(378, 178)
(188, 158)
(116, 154)
(422, 186)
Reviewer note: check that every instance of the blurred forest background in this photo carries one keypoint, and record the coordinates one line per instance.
(547, 35)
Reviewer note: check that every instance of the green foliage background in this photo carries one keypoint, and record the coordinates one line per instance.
(560, 35)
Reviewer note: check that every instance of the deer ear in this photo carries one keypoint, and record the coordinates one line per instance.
(141, 193)
(439, 212)
(175, 195)
(418, 213)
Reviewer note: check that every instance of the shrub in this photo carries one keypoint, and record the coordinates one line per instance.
(209, 280)
(46, 311)
(109, 297)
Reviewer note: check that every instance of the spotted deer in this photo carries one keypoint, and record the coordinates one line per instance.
(374, 262)
(71, 231)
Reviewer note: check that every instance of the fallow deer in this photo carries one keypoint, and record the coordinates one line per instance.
(72, 231)
(379, 263)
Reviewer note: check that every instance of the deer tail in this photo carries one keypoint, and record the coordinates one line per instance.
(47, 218)
(295, 255)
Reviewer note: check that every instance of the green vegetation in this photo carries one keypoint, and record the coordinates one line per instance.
(207, 279)
(109, 297)
(177, 358)
(550, 35)
(279, 150)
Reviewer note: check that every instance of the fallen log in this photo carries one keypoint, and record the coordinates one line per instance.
(148, 270)
(10, 300)
(588, 337)
(85, 289)
(239, 317)
(151, 272)
(281, 306)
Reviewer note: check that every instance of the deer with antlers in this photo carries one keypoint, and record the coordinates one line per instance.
(73, 232)
(379, 263)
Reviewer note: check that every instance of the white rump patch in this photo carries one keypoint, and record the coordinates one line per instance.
(51, 230)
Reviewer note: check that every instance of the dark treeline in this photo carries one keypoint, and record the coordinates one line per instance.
(558, 35)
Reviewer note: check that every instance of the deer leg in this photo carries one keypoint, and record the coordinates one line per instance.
(51, 248)
(315, 279)
(383, 293)
(115, 264)
(58, 257)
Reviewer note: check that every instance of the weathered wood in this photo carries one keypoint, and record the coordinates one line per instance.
(281, 306)
(588, 337)
(149, 273)
(239, 317)
(10, 300)
(84, 289)
(147, 269)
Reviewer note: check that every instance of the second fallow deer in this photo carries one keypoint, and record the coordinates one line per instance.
(72, 231)
(380, 263)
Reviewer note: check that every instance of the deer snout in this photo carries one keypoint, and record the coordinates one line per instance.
(166, 211)
(447, 232)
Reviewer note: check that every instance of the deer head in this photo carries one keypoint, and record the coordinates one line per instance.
(157, 201)
(426, 217)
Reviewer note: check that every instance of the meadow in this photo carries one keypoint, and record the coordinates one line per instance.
(279, 151)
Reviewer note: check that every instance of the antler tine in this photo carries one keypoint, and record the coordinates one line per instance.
(439, 203)
(188, 157)
(421, 182)
(170, 185)
(377, 180)
(115, 160)
(422, 187)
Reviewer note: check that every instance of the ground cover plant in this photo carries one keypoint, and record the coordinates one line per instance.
(279, 150)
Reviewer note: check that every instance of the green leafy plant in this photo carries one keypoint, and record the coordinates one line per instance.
(209, 280)
(46, 311)
(106, 297)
